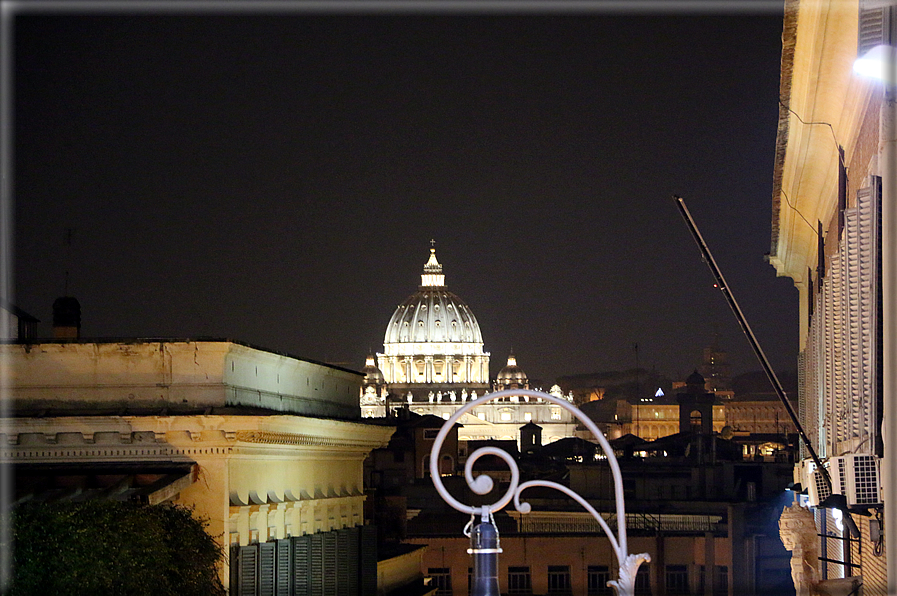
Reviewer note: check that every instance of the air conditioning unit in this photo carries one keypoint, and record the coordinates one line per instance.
(859, 477)
(817, 488)
(801, 473)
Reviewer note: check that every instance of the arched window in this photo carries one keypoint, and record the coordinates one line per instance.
(695, 419)
(446, 465)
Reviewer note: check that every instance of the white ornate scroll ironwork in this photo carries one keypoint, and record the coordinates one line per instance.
(483, 484)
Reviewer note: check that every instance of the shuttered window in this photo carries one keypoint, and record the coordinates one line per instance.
(267, 556)
(284, 566)
(876, 25)
(329, 570)
(316, 568)
(248, 575)
(839, 393)
(301, 547)
(337, 563)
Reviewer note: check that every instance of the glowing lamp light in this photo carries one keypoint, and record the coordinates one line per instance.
(878, 63)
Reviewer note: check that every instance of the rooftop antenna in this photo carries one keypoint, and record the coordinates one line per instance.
(761, 356)
(67, 242)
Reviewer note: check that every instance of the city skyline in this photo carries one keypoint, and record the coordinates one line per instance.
(277, 179)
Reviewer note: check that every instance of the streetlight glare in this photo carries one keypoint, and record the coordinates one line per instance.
(878, 63)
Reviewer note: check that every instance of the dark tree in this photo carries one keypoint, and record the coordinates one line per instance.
(109, 547)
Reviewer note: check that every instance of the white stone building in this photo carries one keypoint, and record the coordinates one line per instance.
(268, 448)
(433, 362)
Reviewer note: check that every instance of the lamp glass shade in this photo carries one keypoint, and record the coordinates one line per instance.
(878, 63)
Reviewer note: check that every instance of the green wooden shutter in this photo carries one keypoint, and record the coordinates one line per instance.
(284, 568)
(248, 584)
(330, 563)
(267, 553)
(316, 576)
(301, 565)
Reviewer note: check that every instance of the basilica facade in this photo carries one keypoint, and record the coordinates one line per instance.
(434, 362)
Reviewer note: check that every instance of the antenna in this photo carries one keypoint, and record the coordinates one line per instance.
(67, 242)
(761, 356)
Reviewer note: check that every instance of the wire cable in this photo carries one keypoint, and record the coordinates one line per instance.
(831, 128)
(796, 210)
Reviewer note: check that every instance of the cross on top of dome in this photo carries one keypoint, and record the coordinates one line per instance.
(432, 275)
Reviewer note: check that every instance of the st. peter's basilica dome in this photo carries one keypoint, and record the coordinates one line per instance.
(433, 339)
(433, 314)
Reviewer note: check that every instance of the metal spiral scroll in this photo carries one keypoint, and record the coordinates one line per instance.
(483, 484)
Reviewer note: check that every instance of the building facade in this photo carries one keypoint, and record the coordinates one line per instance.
(833, 170)
(268, 448)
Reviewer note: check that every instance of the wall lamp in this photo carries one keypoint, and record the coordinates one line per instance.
(878, 63)
(484, 539)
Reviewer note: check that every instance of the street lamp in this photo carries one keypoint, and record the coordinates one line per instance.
(878, 63)
(484, 538)
(484, 547)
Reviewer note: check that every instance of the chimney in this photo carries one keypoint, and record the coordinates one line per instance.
(66, 318)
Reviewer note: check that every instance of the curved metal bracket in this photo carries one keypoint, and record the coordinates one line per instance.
(483, 484)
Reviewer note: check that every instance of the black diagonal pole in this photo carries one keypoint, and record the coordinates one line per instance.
(773, 379)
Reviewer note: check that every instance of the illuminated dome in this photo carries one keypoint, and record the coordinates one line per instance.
(433, 341)
(511, 374)
(433, 314)
(372, 374)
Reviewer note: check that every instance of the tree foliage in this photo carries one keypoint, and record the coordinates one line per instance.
(109, 547)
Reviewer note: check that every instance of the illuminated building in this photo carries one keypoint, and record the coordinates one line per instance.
(433, 344)
(268, 448)
(696, 506)
(433, 361)
(716, 371)
(834, 162)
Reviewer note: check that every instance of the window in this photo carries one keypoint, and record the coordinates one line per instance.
(677, 579)
(559, 579)
(431, 433)
(720, 580)
(519, 581)
(555, 413)
(643, 580)
(441, 579)
(528, 416)
(505, 416)
(695, 420)
(598, 576)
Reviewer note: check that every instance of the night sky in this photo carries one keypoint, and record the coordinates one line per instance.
(276, 178)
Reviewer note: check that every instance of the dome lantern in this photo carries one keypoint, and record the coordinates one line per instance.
(432, 277)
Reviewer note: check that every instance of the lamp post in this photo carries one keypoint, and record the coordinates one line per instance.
(484, 547)
(484, 544)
